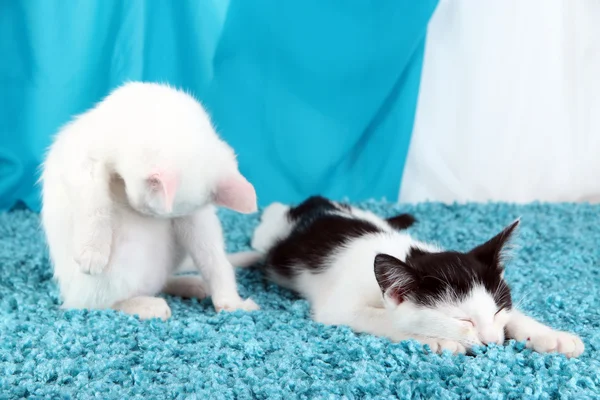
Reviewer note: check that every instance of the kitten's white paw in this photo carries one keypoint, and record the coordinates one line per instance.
(145, 307)
(552, 341)
(439, 345)
(235, 304)
(92, 260)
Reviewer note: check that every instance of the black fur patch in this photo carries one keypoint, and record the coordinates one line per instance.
(458, 273)
(319, 230)
(312, 207)
(414, 253)
(433, 276)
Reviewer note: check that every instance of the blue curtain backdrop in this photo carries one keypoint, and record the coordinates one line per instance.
(316, 96)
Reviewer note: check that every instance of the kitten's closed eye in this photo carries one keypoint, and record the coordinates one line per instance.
(467, 321)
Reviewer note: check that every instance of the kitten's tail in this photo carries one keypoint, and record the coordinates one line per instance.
(241, 259)
(402, 221)
(244, 259)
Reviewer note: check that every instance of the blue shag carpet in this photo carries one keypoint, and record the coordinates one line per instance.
(278, 353)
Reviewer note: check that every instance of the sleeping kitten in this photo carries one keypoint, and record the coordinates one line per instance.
(357, 269)
(128, 192)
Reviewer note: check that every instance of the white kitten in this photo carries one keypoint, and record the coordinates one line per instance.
(357, 269)
(128, 189)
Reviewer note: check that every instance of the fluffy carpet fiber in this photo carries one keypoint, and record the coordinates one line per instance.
(278, 352)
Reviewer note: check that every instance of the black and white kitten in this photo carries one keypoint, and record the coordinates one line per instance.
(359, 270)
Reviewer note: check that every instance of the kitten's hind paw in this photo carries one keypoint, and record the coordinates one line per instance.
(238, 304)
(553, 341)
(439, 345)
(273, 226)
(92, 261)
(274, 211)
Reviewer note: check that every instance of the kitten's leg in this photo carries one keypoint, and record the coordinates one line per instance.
(145, 307)
(201, 235)
(92, 214)
(542, 338)
(273, 226)
(187, 286)
(377, 321)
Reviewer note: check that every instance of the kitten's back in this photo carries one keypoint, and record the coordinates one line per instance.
(306, 237)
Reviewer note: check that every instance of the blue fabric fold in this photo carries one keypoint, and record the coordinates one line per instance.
(316, 97)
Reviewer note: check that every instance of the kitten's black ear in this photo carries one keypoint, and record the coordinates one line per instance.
(490, 253)
(401, 221)
(396, 278)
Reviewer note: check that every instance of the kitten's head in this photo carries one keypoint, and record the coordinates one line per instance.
(170, 157)
(450, 295)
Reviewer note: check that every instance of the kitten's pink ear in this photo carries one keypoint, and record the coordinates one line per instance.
(166, 184)
(236, 193)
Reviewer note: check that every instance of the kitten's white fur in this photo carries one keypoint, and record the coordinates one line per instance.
(128, 189)
(347, 293)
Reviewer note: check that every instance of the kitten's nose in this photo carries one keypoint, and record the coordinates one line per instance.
(489, 338)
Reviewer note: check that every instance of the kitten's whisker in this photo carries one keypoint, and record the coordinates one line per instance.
(522, 299)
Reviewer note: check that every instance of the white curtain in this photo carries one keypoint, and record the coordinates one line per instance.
(509, 108)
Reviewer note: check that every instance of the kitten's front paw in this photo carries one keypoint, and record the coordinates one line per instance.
(235, 304)
(552, 341)
(439, 345)
(92, 260)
